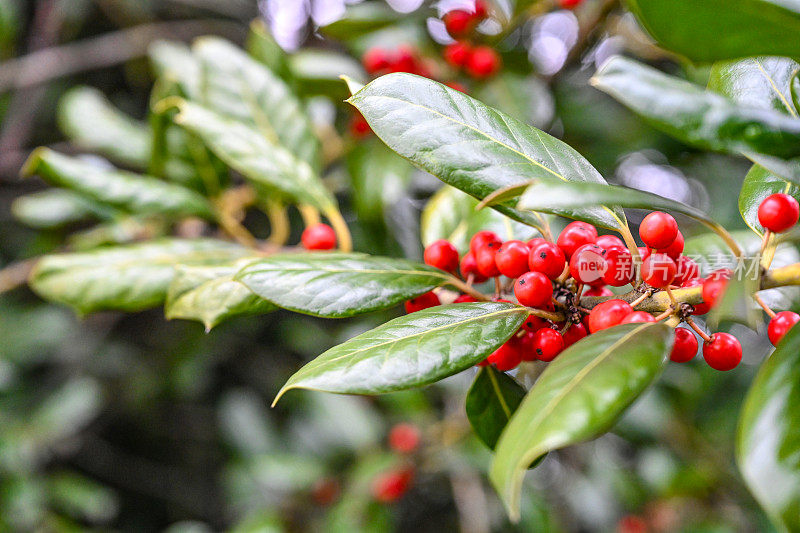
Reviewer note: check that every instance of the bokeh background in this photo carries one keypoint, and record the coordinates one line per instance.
(129, 422)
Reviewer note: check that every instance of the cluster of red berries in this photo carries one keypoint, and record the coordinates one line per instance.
(391, 485)
(551, 276)
(480, 61)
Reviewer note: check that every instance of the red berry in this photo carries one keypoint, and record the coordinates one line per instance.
(423, 301)
(598, 290)
(644, 252)
(442, 254)
(533, 289)
(575, 333)
(638, 316)
(701, 308)
(512, 258)
(658, 230)
(628, 523)
(588, 264)
(457, 54)
(534, 324)
(325, 491)
(405, 59)
(778, 212)
(390, 486)
(465, 298)
(575, 235)
(713, 289)
(481, 10)
(547, 344)
(685, 346)
(536, 241)
(375, 60)
(458, 22)
(469, 266)
(659, 270)
(547, 258)
(687, 270)
(404, 438)
(508, 356)
(526, 346)
(481, 238)
(485, 259)
(619, 267)
(609, 241)
(359, 127)
(608, 314)
(318, 237)
(675, 249)
(780, 325)
(483, 62)
(723, 352)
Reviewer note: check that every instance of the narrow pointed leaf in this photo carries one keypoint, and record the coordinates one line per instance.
(698, 117)
(469, 145)
(127, 277)
(176, 62)
(53, 208)
(209, 294)
(413, 350)
(336, 284)
(768, 438)
(235, 85)
(579, 396)
(707, 30)
(491, 400)
(762, 82)
(132, 192)
(265, 164)
(758, 184)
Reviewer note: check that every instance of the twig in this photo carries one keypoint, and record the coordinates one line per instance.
(15, 274)
(697, 330)
(764, 305)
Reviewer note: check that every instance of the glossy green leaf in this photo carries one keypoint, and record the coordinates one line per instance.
(120, 230)
(87, 117)
(209, 294)
(175, 61)
(319, 71)
(579, 396)
(758, 184)
(265, 164)
(756, 82)
(411, 351)
(53, 208)
(698, 117)
(707, 30)
(491, 400)
(127, 277)
(237, 86)
(125, 190)
(451, 215)
(379, 178)
(337, 284)
(469, 145)
(768, 437)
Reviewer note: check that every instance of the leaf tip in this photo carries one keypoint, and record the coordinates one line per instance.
(280, 394)
(170, 102)
(31, 165)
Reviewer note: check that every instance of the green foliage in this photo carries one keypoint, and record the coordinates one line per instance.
(491, 400)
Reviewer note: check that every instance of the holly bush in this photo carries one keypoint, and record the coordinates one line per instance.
(562, 330)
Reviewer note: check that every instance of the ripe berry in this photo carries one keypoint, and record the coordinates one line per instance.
(713, 288)
(423, 301)
(685, 346)
(588, 264)
(570, 4)
(534, 324)
(405, 60)
(723, 352)
(547, 344)
(485, 258)
(609, 241)
(575, 235)
(457, 54)
(687, 270)
(638, 316)
(619, 267)
(390, 486)
(598, 290)
(512, 258)
(575, 333)
(658, 230)
(458, 22)
(526, 345)
(465, 298)
(375, 60)
(483, 62)
(608, 314)
(318, 237)
(481, 10)
(359, 127)
(778, 212)
(508, 356)
(780, 325)
(675, 249)
(481, 238)
(441, 254)
(533, 289)
(703, 307)
(470, 267)
(536, 241)
(644, 252)
(547, 258)
(659, 270)
(404, 438)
